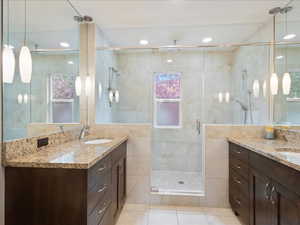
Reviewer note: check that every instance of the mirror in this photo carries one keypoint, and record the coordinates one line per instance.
(287, 65)
(49, 100)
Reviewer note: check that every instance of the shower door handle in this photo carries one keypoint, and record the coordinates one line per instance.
(198, 126)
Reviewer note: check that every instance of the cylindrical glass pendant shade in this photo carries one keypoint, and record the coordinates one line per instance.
(256, 88)
(25, 64)
(9, 63)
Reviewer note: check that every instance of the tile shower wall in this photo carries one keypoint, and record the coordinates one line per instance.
(18, 116)
(252, 63)
(199, 69)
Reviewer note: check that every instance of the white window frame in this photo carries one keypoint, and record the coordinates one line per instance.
(160, 100)
(53, 100)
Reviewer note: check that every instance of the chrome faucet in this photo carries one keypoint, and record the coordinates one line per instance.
(84, 132)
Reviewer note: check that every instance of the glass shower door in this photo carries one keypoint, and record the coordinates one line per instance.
(176, 138)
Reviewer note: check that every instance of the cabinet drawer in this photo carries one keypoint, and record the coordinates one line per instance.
(98, 172)
(98, 191)
(239, 166)
(240, 207)
(98, 213)
(238, 183)
(239, 152)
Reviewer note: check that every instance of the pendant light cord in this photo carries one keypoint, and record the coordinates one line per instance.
(286, 32)
(8, 16)
(74, 8)
(25, 23)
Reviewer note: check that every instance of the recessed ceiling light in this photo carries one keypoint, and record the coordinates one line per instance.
(64, 44)
(289, 36)
(279, 57)
(207, 40)
(169, 60)
(144, 42)
(70, 62)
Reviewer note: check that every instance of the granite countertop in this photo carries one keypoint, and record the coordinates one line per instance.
(73, 155)
(269, 149)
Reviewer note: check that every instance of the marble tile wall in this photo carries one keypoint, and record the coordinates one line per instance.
(138, 160)
(216, 159)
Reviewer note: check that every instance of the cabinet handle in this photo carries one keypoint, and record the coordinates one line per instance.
(237, 180)
(102, 169)
(238, 152)
(102, 189)
(238, 166)
(272, 195)
(103, 209)
(237, 201)
(267, 194)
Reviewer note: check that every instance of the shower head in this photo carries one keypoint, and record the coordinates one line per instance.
(81, 19)
(275, 11)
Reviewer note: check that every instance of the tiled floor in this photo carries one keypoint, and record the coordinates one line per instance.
(176, 181)
(160, 215)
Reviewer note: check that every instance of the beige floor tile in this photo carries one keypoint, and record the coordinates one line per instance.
(219, 211)
(162, 218)
(187, 209)
(136, 207)
(163, 209)
(222, 220)
(192, 219)
(133, 218)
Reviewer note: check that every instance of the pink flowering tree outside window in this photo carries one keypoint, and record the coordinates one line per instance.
(167, 100)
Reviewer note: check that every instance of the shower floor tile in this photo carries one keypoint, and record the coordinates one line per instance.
(163, 181)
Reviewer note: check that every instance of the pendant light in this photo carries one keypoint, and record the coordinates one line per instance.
(25, 60)
(220, 97)
(227, 97)
(274, 84)
(100, 90)
(8, 56)
(88, 86)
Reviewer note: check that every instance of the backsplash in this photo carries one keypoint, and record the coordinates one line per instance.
(290, 135)
(26, 146)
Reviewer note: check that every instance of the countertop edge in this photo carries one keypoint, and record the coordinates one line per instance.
(264, 153)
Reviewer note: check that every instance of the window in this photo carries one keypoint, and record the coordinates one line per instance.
(62, 95)
(167, 100)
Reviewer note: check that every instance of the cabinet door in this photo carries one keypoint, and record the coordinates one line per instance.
(115, 181)
(122, 182)
(286, 206)
(260, 206)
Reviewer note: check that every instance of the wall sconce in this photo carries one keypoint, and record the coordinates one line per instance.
(78, 86)
(227, 97)
(274, 84)
(286, 84)
(20, 99)
(220, 97)
(256, 88)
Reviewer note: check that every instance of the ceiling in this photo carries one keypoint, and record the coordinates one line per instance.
(125, 22)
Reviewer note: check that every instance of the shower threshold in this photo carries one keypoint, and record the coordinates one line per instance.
(156, 191)
(166, 182)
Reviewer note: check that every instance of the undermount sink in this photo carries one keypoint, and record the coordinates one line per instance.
(291, 154)
(98, 141)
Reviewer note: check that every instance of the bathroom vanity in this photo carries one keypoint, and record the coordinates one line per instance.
(264, 187)
(86, 186)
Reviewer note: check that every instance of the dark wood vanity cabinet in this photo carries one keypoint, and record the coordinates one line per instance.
(49, 196)
(273, 189)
